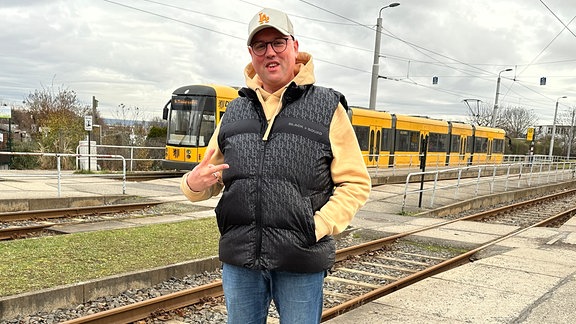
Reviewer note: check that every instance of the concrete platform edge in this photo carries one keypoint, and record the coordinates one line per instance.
(26, 204)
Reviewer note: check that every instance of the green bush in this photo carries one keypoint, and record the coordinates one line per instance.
(25, 162)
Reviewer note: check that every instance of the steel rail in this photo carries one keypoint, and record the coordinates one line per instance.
(145, 176)
(74, 211)
(10, 233)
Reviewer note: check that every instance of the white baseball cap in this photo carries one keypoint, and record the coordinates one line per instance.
(266, 18)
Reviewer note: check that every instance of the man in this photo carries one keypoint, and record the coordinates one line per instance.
(293, 174)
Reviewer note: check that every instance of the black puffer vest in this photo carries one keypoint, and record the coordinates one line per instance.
(274, 187)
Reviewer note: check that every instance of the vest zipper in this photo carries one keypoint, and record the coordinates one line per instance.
(258, 218)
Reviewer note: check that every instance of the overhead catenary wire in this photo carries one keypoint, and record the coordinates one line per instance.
(475, 70)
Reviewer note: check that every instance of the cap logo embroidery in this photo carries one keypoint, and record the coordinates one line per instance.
(264, 19)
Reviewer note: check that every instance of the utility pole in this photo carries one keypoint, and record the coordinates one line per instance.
(571, 134)
(554, 128)
(376, 64)
(495, 111)
(94, 105)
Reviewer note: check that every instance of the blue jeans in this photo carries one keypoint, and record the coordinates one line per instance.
(248, 293)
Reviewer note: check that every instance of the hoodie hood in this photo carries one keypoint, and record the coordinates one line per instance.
(303, 71)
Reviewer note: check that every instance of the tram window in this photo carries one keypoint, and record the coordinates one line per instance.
(386, 142)
(181, 126)
(182, 117)
(498, 146)
(432, 142)
(208, 123)
(362, 134)
(407, 141)
(402, 140)
(414, 142)
(481, 145)
(469, 144)
(191, 119)
(443, 142)
(455, 143)
(437, 142)
(180, 120)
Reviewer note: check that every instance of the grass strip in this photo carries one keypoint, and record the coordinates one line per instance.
(33, 264)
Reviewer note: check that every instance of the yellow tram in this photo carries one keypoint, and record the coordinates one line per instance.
(193, 113)
(386, 139)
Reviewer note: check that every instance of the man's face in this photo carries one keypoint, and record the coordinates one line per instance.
(275, 69)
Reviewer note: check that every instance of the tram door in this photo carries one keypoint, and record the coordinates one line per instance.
(374, 146)
(463, 145)
(489, 150)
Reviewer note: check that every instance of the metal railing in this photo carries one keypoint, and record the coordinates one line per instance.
(59, 174)
(525, 170)
(438, 160)
(131, 157)
(490, 178)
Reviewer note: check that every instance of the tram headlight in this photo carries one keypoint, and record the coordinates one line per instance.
(188, 154)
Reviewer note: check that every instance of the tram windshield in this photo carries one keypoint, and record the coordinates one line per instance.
(192, 120)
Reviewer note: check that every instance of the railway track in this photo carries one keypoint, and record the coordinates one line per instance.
(383, 262)
(23, 231)
(366, 271)
(526, 213)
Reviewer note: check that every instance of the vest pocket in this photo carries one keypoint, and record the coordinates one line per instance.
(310, 229)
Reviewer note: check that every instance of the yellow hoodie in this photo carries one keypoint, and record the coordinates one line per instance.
(349, 173)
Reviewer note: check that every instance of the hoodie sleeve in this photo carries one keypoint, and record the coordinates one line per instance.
(350, 176)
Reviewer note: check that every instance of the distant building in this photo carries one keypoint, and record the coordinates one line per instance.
(546, 130)
(17, 135)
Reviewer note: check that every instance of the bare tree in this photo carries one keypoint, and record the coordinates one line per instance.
(516, 121)
(57, 116)
(49, 101)
(128, 128)
(479, 113)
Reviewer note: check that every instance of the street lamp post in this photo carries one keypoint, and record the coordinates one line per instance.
(376, 65)
(554, 127)
(494, 112)
(571, 136)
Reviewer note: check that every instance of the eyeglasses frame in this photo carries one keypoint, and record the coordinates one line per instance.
(271, 45)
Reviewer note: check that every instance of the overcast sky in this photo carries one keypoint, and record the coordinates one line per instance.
(136, 52)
